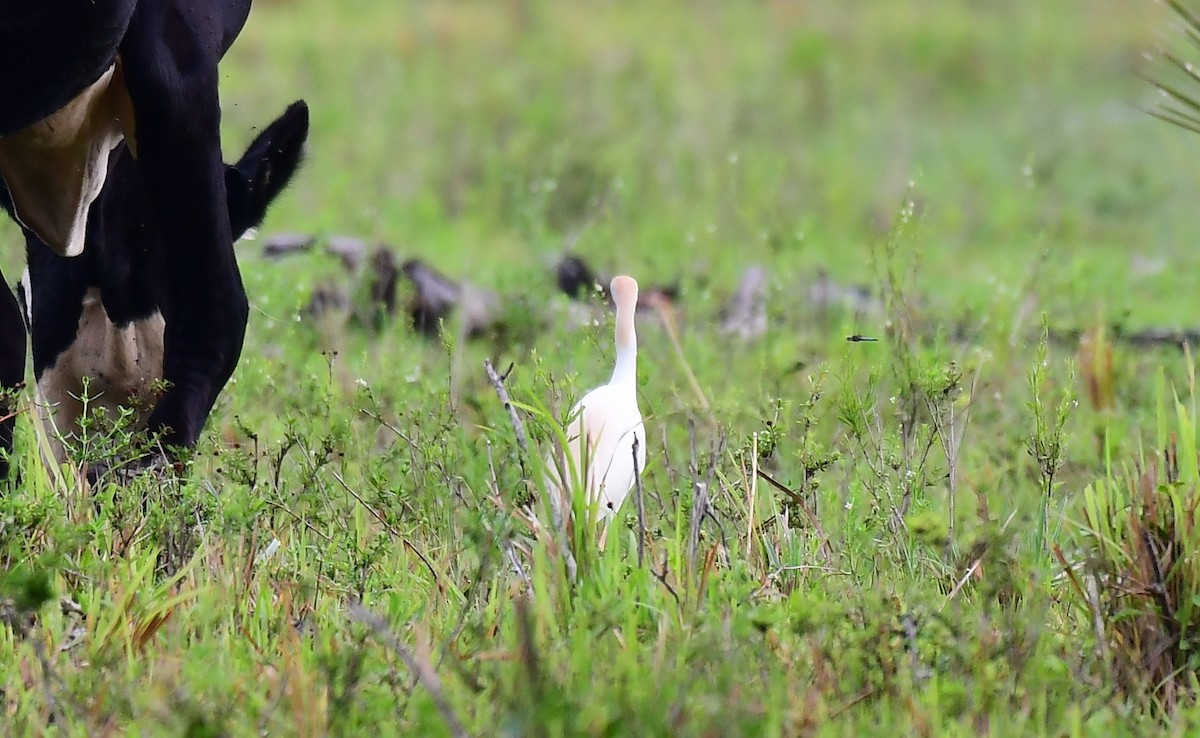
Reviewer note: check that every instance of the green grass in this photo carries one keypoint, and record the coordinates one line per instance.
(977, 165)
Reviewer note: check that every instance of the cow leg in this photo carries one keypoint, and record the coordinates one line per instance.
(170, 58)
(12, 369)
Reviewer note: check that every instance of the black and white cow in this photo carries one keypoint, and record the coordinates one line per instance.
(98, 315)
(79, 77)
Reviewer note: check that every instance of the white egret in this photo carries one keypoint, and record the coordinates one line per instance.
(606, 423)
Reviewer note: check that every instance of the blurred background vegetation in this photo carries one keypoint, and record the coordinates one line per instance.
(491, 134)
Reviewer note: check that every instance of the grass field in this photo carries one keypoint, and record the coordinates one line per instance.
(975, 530)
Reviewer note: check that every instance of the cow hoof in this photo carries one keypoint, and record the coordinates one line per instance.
(156, 465)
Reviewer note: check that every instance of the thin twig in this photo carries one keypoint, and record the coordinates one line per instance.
(668, 320)
(962, 582)
(699, 497)
(699, 508)
(1159, 588)
(972, 568)
(506, 543)
(665, 450)
(709, 510)
(855, 700)
(428, 677)
(498, 383)
(798, 499)
(753, 495)
(561, 521)
(395, 533)
(792, 495)
(48, 676)
(395, 431)
(662, 577)
(1087, 596)
(284, 508)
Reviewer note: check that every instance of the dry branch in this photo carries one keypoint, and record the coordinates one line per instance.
(423, 671)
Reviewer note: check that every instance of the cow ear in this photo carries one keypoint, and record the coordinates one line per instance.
(270, 162)
(237, 195)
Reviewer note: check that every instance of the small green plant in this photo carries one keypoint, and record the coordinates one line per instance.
(1046, 442)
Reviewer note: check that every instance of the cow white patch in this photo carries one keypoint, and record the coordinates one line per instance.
(56, 167)
(121, 364)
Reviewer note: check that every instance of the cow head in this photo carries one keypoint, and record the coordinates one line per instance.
(100, 314)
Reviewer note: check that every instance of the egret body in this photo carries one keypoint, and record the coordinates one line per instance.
(605, 423)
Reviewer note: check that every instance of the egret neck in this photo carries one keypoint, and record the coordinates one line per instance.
(625, 295)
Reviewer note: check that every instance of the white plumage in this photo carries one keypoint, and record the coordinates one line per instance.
(600, 436)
